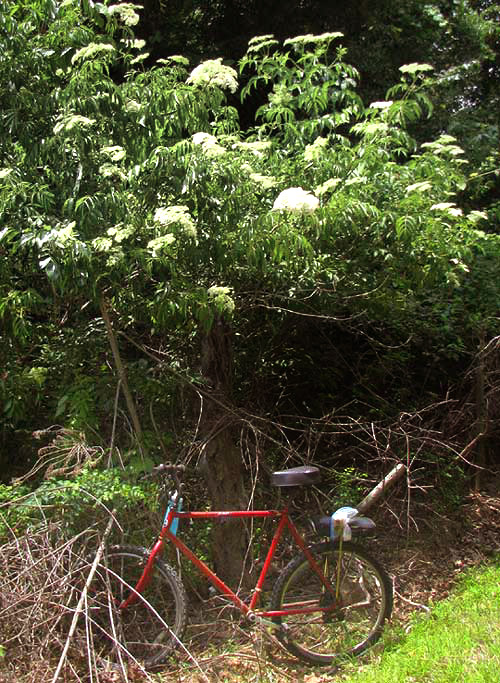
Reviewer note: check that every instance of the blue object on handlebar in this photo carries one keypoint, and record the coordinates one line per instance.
(175, 522)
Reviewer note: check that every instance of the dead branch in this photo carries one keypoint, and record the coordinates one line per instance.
(83, 597)
(379, 490)
(122, 374)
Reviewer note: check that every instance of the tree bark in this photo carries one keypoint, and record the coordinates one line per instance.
(222, 463)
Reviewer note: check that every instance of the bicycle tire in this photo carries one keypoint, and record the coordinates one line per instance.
(145, 631)
(352, 626)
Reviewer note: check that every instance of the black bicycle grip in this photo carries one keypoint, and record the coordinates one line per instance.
(168, 468)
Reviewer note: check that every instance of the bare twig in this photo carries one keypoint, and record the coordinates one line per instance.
(419, 605)
(82, 599)
(115, 415)
(122, 374)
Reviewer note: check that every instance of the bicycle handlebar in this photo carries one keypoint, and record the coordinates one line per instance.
(168, 468)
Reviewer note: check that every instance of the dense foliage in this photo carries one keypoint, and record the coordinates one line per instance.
(327, 254)
(461, 39)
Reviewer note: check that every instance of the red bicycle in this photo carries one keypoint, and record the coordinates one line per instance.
(331, 600)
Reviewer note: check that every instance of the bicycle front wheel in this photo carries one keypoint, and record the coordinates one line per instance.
(146, 630)
(345, 623)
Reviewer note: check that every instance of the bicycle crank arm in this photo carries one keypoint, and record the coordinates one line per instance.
(257, 620)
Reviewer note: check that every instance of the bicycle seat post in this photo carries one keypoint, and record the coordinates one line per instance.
(288, 495)
(166, 469)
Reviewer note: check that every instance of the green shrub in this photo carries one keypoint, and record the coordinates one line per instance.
(14, 514)
(77, 503)
(349, 486)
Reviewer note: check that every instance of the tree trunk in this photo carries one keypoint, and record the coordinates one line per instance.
(222, 463)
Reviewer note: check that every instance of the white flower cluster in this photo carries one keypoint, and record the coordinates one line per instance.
(114, 152)
(445, 144)
(213, 72)
(126, 12)
(209, 144)
(134, 43)
(5, 172)
(119, 233)
(260, 39)
(296, 200)
(157, 245)
(280, 96)
(415, 67)
(102, 244)
(176, 59)
(257, 147)
(221, 298)
(176, 215)
(91, 50)
(260, 42)
(132, 106)
(448, 207)
(422, 186)
(266, 181)
(315, 151)
(111, 171)
(384, 104)
(261, 46)
(328, 186)
(140, 58)
(311, 38)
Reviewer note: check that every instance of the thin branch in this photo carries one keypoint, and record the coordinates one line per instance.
(115, 415)
(79, 607)
(122, 374)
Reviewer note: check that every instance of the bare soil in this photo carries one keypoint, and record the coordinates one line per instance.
(426, 558)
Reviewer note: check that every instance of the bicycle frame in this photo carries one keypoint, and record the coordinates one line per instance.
(169, 531)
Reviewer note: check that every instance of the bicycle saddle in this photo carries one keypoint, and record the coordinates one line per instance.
(296, 476)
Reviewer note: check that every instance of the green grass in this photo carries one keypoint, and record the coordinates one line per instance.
(460, 642)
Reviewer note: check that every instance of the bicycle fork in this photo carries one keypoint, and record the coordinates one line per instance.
(138, 590)
(175, 503)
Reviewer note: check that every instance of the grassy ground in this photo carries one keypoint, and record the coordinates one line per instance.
(460, 641)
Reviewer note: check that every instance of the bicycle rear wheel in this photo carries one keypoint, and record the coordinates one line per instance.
(148, 629)
(350, 624)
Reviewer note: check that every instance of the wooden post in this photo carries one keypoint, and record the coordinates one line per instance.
(379, 490)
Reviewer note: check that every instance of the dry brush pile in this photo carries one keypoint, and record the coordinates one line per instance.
(47, 625)
(37, 599)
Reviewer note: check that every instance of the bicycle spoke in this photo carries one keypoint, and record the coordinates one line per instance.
(145, 630)
(346, 625)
